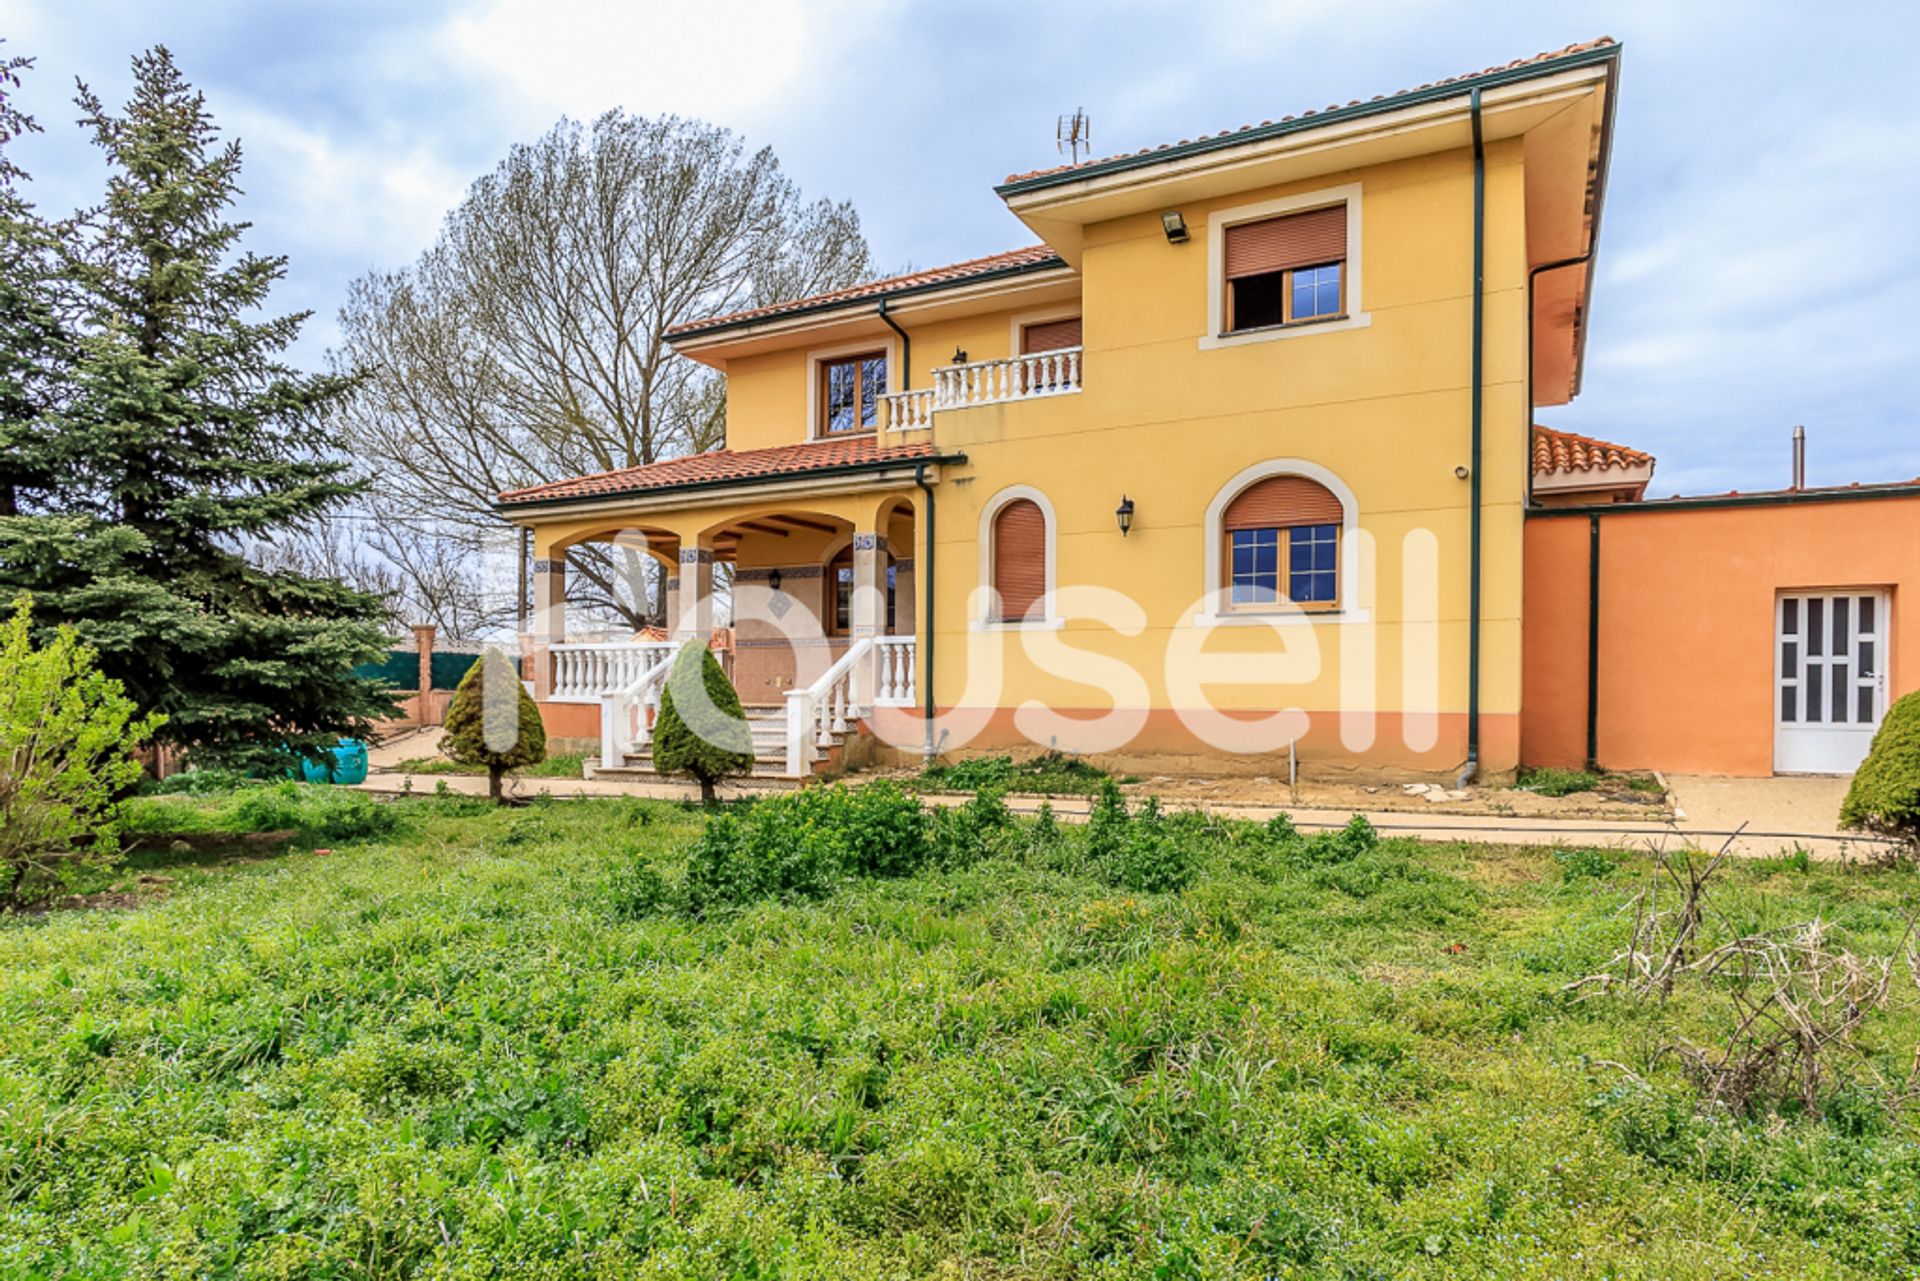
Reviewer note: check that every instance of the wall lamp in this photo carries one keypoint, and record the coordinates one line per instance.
(1175, 226)
(773, 580)
(1124, 513)
(959, 355)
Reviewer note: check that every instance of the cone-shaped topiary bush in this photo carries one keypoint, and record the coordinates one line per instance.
(701, 731)
(1885, 795)
(493, 721)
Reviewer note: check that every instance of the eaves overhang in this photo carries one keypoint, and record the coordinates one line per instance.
(842, 478)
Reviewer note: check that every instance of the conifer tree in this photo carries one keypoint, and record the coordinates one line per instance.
(178, 436)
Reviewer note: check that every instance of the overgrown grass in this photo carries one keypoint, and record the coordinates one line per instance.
(1049, 774)
(470, 1047)
(1551, 781)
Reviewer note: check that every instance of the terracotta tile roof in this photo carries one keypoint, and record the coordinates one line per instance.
(722, 465)
(1563, 451)
(1227, 135)
(1033, 257)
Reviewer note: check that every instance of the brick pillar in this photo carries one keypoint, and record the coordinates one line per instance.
(423, 644)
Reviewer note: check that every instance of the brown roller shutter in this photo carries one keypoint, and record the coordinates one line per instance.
(1019, 557)
(1283, 500)
(1296, 240)
(1050, 336)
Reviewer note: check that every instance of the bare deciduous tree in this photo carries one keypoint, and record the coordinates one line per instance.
(527, 345)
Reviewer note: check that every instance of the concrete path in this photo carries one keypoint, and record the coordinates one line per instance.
(1781, 814)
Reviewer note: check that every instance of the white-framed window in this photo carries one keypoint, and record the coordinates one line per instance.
(1283, 268)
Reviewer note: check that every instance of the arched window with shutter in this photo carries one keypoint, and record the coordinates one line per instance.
(1280, 536)
(1017, 556)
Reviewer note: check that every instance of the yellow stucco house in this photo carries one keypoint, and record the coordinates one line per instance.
(1233, 465)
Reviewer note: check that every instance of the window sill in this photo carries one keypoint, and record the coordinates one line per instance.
(1296, 329)
(1018, 625)
(847, 435)
(1283, 618)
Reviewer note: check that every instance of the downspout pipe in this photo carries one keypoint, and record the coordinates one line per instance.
(1478, 397)
(1593, 642)
(906, 345)
(924, 621)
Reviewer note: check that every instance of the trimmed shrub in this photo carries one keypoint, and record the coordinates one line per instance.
(493, 722)
(1885, 795)
(701, 730)
(67, 735)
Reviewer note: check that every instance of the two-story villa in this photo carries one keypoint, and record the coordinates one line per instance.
(1233, 468)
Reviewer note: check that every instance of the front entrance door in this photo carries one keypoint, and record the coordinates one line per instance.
(1830, 685)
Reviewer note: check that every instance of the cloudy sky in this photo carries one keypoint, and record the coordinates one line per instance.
(1760, 261)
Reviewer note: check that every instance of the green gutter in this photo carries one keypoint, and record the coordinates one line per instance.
(842, 304)
(1339, 115)
(731, 482)
(1650, 506)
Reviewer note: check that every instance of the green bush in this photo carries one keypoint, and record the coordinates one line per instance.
(67, 735)
(1584, 864)
(1885, 795)
(1048, 774)
(803, 844)
(493, 722)
(701, 731)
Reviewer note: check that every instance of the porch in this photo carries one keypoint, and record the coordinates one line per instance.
(812, 606)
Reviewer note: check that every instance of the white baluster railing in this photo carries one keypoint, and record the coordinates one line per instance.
(823, 709)
(626, 715)
(989, 382)
(894, 659)
(585, 672)
(909, 410)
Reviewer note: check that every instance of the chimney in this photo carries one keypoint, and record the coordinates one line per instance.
(1799, 458)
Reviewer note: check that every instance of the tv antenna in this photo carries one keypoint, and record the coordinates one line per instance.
(1073, 135)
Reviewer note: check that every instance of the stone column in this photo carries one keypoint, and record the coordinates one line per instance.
(868, 616)
(423, 645)
(549, 617)
(692, 603)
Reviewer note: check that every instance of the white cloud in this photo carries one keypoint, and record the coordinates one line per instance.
(723, 60)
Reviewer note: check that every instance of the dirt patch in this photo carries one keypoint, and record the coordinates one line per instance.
(1491, 801)
(1500, 872)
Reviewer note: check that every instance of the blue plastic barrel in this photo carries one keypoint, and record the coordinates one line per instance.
(348, 766)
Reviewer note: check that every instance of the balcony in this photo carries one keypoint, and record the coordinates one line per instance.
(983, 382)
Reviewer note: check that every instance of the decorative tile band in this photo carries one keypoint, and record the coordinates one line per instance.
(554, 566)
(869, 542)
(695, 556)
(787, 573)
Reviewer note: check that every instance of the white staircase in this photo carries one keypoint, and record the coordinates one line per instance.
(806, 737)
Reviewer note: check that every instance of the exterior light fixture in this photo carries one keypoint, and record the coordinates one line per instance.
(959, 355)
(773, 580)
(1175, 226)
(1124, 513)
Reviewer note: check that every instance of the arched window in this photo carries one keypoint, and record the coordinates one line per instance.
(1281, 542)
(1019, 559)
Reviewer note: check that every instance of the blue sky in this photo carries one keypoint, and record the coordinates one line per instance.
(1760, 263)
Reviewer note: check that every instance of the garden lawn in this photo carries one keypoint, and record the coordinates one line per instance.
(488, 1043)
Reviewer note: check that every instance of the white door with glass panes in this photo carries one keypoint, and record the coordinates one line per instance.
(1830, 685)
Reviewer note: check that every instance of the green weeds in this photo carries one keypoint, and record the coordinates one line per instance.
(889, 1043)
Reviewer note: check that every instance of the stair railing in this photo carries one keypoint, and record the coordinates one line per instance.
(626, 715)
(823, 709)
